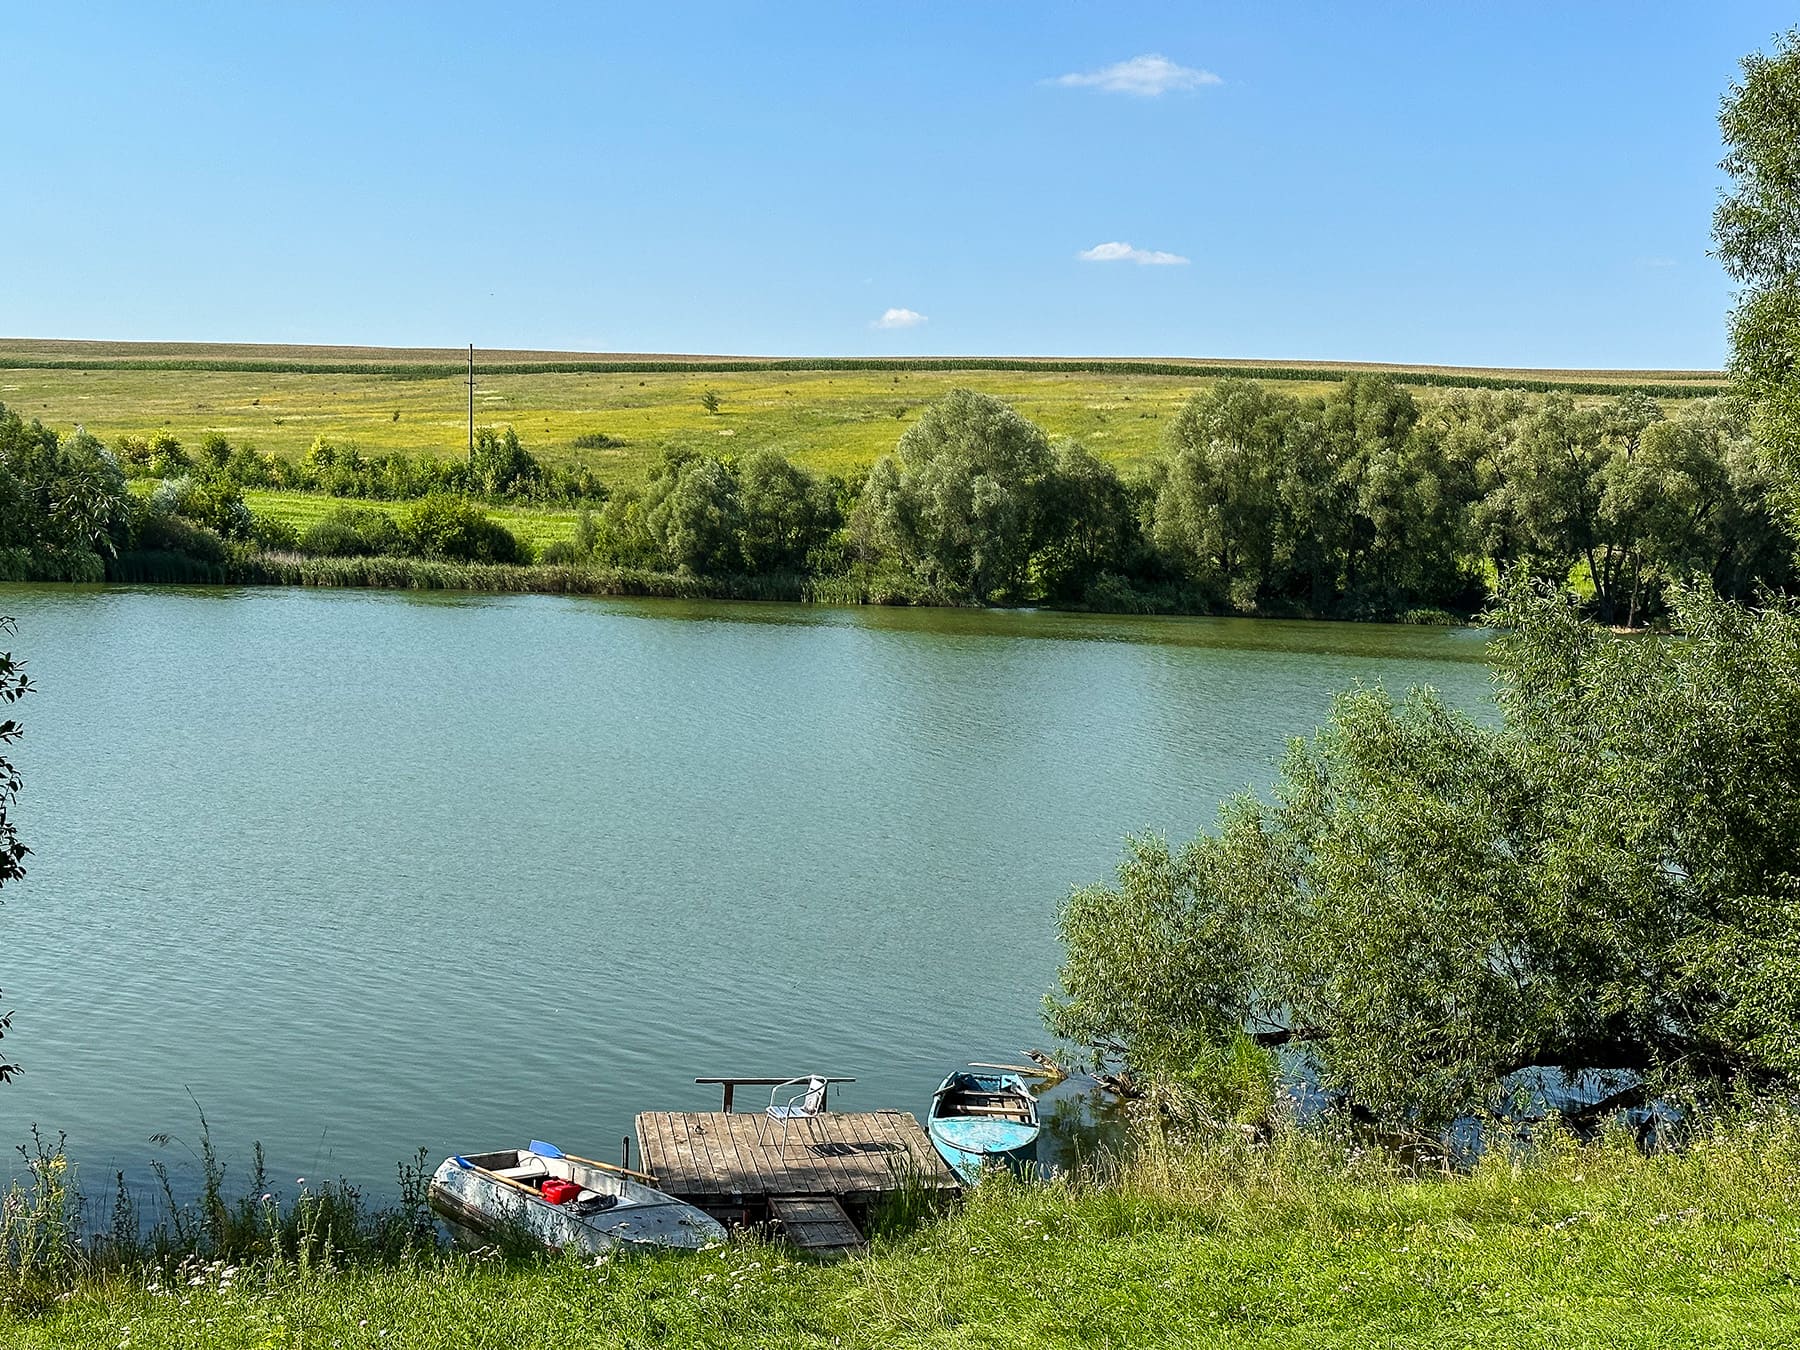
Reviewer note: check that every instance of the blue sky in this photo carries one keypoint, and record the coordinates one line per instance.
(1514, 185)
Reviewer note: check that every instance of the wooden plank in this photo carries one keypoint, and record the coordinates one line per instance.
(699, 1140)
(823, 1170)
(854, 1167)
(783, 1177)
(713, 1156)
(738, 1174)
(678, 1162)
(816, 1224)
(741, 1158)
(849, 1156)
(733, 1174)
(743, 1133)
(768, 1170)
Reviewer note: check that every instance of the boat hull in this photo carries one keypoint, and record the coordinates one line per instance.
(972, 1140)
(641, 1217)
(970, 1163)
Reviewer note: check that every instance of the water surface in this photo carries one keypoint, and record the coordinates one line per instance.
(364, 871)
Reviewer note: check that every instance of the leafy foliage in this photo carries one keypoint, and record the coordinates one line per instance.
(1429, 906)
(352, 532)
(62, 502)
(1757, 229)
(959, 502)
(455, 530)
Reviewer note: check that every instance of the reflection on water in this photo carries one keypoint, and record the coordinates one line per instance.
(371, 870)
(1083, 1123)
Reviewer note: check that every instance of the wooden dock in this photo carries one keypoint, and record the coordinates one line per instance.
(732, 1164)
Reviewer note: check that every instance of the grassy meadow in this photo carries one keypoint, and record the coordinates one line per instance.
(829, 422)
(1225, 1245)
(537, 525)
(830, 419)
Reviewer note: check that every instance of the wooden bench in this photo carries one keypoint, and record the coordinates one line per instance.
(1017, 1111)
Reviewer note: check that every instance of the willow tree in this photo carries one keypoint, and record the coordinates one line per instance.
(1428, 905)
(959, 505)
(1757, 231)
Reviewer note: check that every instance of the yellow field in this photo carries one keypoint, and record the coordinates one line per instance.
(830, 420)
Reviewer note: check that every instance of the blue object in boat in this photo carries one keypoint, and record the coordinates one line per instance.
(543, 1150)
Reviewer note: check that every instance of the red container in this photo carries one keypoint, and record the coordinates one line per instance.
(560, 1192)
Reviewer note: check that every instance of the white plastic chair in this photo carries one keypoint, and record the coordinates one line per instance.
(804, 1106)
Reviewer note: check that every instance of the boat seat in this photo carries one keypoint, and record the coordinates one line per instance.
(530, 1171)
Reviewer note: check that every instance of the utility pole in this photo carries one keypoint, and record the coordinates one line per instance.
(471, 403)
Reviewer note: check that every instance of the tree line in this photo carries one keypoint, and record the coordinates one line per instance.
(498, 468)
(1362, 503)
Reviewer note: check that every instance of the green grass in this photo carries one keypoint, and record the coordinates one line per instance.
(836, 417)
(537, 525)
(1222, 1246)
(828, 422)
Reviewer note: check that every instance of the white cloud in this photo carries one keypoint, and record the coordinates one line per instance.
(900, 318)
(1144, 76)
(1122, 252)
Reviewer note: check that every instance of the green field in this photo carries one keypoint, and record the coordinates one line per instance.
(830, 419)
(832, 422)
(537, 525)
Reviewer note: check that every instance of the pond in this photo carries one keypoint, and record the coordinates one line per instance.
(358, 872)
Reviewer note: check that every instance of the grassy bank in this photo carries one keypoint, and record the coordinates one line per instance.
(1218, 1245)
(425, 574)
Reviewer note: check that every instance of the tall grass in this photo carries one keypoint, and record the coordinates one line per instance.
(1210, 1238)
(294, 569)
(52, 1235)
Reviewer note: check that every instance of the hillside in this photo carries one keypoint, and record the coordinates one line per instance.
(618, 412)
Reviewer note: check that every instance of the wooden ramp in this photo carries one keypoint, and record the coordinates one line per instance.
(733, 1164)
(815, 1224)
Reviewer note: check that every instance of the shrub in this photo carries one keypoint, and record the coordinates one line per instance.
(353, 532)
(158, 531)
(561, 553)
(219, 506)
(271, 532)
(452, 529)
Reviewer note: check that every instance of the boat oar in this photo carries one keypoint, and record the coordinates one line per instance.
(611, 1167)
(1034, 1070)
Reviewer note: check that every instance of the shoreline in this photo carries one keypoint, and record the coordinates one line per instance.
(303, 571)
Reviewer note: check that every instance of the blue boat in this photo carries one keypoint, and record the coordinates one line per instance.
(981, 1120)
